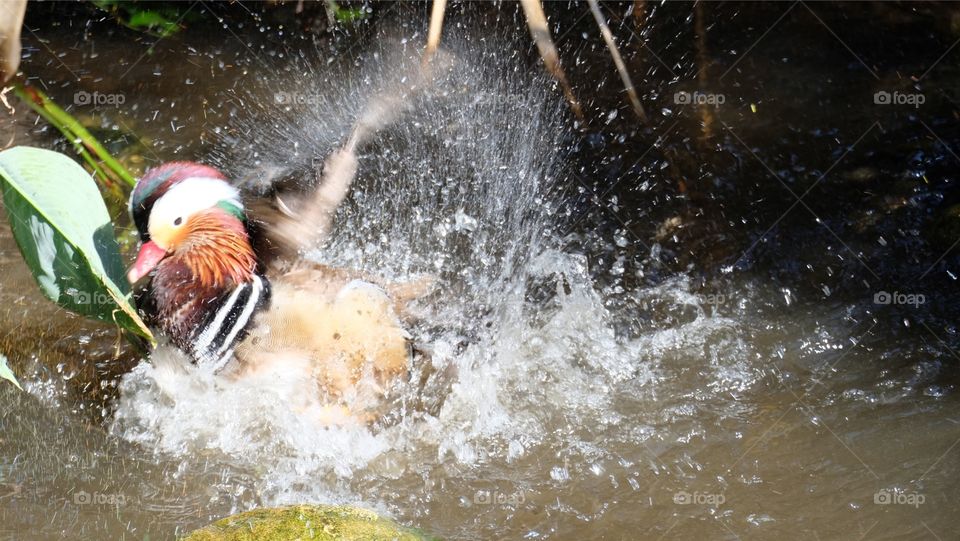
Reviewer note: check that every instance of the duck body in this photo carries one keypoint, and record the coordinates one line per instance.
(343, 333)
(236, 314)
(206, 301)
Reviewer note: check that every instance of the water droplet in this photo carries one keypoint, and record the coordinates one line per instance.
(464, 222)
(757, 520)
(559, 474)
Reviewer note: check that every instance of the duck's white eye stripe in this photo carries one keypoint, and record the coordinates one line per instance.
(191, 195)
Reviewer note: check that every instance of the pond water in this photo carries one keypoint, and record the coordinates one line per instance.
(734, 321)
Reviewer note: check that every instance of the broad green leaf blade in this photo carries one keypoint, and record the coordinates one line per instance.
(6, 373)
(65, 235)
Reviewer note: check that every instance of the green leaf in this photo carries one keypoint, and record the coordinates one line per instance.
(65, 235)
(152, 20)
(6, 373)
(161, 19)
(347, 15)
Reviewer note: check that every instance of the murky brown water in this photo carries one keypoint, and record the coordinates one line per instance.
(634, 360)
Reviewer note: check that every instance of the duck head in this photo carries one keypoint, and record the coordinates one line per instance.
(190, 210)
(204, 285)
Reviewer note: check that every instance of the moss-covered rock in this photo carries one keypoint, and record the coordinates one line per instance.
(303, 522)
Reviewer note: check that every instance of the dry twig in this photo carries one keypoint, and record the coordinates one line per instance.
(537, 22)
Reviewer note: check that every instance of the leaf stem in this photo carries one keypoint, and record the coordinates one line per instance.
(86, 144)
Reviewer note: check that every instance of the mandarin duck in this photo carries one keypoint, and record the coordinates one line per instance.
(239, 311)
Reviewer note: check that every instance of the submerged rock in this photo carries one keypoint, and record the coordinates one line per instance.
(945, 230)
(303, 522)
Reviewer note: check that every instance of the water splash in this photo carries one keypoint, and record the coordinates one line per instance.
(525, 352)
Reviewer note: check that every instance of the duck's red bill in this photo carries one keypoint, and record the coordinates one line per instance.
(148, 258)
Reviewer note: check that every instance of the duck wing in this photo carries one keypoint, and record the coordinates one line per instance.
(284, 225)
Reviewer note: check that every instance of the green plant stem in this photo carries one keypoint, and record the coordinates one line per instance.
(86, 144)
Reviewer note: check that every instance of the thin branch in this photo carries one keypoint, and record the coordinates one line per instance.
(537, 22)
(703, 65)
(436, 27)
(621, 67)
(86, 144)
